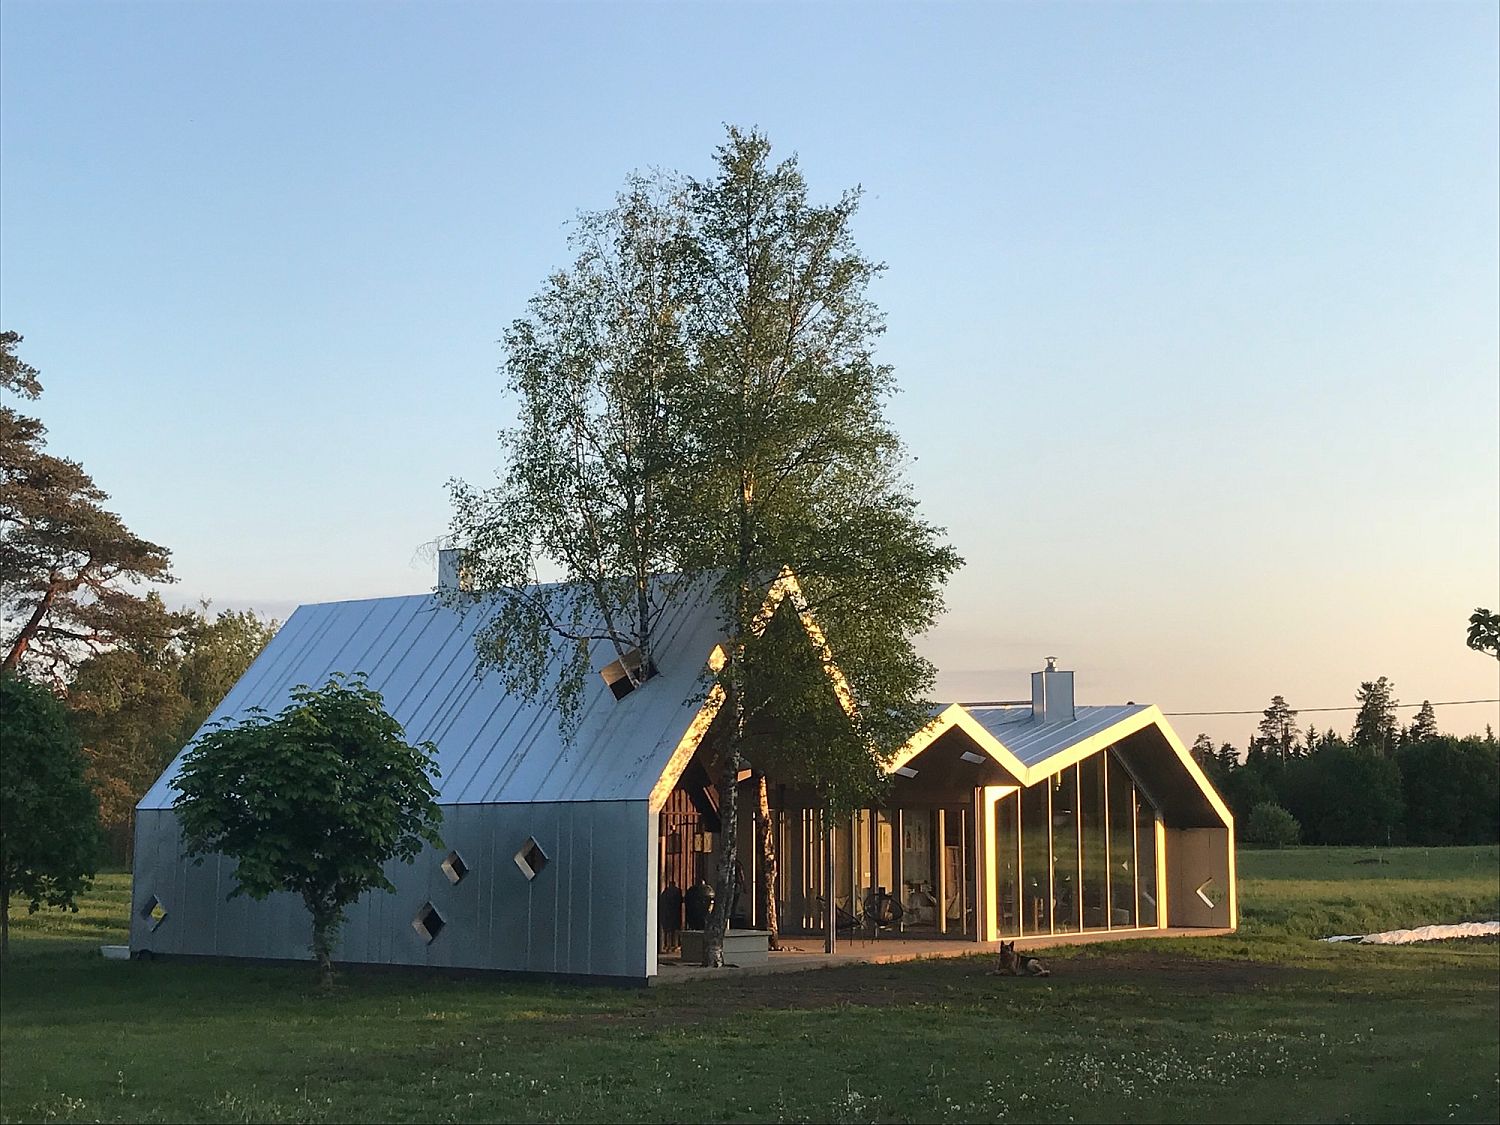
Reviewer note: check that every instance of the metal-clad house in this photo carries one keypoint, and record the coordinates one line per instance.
(555, 851)
(550, 854)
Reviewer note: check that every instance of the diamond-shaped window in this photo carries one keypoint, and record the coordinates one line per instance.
(154, 912)
(428, 923)
(531, 859)
(455, 868)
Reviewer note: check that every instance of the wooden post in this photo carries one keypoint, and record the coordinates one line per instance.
(898, 865)
(988, 863)
(941, 843)
(830, 903)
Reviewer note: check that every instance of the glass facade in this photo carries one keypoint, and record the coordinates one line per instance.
(1074, 852)
(1087, 853)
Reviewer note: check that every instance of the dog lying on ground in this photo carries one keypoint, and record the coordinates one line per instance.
(1013, 964)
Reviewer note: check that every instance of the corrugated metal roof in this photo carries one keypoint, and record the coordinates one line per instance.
(1033, 741)
(491, 747)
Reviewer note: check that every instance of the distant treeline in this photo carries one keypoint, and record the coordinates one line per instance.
(1381, 784)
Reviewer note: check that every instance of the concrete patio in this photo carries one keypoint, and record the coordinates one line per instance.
(802, 954)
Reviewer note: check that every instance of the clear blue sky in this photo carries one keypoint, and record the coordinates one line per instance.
(1194, 306)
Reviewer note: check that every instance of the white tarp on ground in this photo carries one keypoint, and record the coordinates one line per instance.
(1423, 933)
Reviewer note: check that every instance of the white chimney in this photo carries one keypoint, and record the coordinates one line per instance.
(1052, 694)
(451, 574)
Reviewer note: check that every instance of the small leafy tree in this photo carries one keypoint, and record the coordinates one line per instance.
(49, 818)
(1271, 826)
(1484, 632)
(314, 801)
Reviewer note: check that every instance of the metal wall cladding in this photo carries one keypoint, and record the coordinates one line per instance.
(419, 653)
(587, 911)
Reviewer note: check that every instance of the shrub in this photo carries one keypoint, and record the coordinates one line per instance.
(1271, 826)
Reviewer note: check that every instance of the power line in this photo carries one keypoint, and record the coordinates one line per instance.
(1310, 710)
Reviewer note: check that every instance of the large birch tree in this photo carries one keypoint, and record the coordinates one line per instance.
(796, 468)
(576, 538)
(698, 397)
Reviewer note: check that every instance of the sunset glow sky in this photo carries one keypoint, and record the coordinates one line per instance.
(1195, 308)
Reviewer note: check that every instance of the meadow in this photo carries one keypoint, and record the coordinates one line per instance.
(1268, 1024)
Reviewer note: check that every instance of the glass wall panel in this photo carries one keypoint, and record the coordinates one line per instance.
(885, 862)
(1145, 846)
(919, 867)
(957, 871)
(1007, 864)
(843, 883)
(1094, 833)
(864, 875)
(1066, 902)
(1121, 846)
(1036, 861)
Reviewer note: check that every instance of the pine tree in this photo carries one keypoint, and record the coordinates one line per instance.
(1276, 735)
(1424, 726)
(65, 561)
(1204, 753)
(1375, 728)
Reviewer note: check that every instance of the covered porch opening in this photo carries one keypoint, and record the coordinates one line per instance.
(962, 851)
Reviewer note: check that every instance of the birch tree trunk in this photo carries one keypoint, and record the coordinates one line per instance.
(725, 883)
(770, 918)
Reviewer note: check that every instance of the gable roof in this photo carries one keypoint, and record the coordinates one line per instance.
(492, 747)
(1031, 750)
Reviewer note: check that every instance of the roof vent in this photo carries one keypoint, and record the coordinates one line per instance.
(1052, 694)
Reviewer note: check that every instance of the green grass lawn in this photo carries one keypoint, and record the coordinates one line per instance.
(1265, 1025)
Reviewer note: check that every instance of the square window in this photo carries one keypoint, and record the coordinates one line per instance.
(621, 676)
(531, 859)
(455, 868)
(154, 912)
(428, 923)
